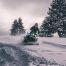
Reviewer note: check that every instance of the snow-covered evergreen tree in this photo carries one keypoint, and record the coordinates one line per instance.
(20, 26)
(17, 27)
(56, 19)
(14, 29)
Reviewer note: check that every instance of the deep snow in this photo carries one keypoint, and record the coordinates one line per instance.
(53, 48)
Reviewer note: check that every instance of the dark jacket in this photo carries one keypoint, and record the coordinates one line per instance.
(34, 29)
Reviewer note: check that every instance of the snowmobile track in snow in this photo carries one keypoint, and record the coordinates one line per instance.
(30, 43)
(54, 44)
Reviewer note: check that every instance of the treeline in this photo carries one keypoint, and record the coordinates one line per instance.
(17, 27)
(55, 21)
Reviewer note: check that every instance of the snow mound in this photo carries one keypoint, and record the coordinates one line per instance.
(49, 51)
(13, 56)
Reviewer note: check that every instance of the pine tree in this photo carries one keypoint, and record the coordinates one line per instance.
(20, 26)
(14, 29)
(17, 27)
(56, 19)
(46, 28)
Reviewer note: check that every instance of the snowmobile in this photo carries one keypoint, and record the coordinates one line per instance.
(30, 39)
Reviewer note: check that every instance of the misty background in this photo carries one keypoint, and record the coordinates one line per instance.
(31, 11)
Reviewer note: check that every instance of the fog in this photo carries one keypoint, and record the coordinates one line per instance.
(31, 11)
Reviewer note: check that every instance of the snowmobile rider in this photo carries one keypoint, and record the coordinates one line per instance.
(34, 29)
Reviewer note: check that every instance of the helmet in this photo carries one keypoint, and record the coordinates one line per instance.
(36, 24)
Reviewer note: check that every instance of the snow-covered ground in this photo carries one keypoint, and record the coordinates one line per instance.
(53, 48)
(11, 39)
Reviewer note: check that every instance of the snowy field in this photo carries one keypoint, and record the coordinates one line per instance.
(53, 49)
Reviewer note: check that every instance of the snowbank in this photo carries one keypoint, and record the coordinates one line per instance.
(53, 48)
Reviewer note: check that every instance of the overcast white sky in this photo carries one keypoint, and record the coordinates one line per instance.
(30, 11)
